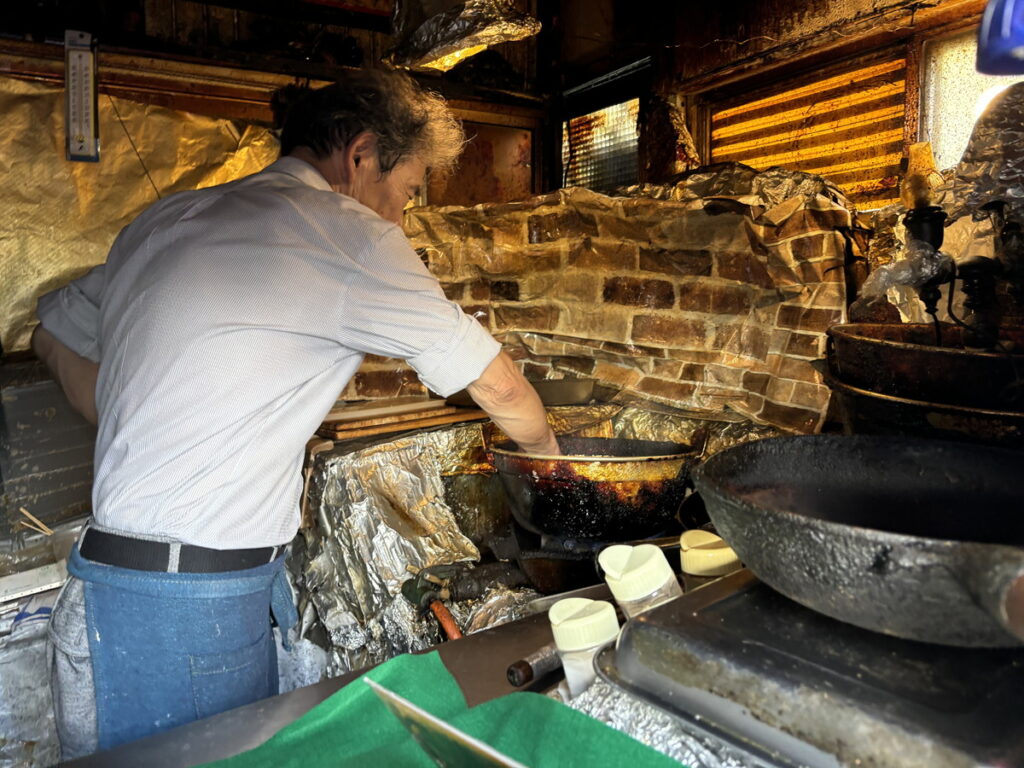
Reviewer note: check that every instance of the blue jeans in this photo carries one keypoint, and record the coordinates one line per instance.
(170, 648)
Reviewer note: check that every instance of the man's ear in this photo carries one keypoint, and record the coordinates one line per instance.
(362, 148)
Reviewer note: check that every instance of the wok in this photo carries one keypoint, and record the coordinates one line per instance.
(604, 489)
(915, 538)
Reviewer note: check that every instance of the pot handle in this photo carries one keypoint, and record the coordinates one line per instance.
(994, 575)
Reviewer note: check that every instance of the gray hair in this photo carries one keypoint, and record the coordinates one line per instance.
(408, 121)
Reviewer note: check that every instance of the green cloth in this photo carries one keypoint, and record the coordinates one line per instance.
(354, 728)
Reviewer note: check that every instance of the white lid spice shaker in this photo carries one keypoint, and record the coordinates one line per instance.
(704, 557)
(581, 628)
(639, 577)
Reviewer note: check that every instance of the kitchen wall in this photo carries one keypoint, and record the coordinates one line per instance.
(714, 300)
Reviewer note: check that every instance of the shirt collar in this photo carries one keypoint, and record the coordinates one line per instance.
(301, 170)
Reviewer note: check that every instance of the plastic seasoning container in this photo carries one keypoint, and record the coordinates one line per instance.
(705, 557)
(639, 577)
(581, 628)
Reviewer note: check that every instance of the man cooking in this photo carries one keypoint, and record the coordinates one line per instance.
(208, 349)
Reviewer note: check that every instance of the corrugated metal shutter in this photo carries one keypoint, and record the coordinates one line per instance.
(599, 150)
(847, 128)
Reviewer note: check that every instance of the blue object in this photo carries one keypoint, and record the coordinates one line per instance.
(1001, 38)
(170, 648)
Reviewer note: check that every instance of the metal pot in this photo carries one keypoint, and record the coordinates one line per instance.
(872, 413)
(914, 538)
(602, 489)
(901, 359)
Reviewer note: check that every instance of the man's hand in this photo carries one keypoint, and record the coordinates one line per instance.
(513, 404)
(75, 374)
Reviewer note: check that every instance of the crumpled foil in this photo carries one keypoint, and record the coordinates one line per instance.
(651, 424)
(922, 263)
(992, 166)
(382, 510)
(61, 217)
(437, 35)
(500, 605)
(655, 728)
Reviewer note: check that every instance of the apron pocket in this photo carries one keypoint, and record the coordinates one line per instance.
(227, 679)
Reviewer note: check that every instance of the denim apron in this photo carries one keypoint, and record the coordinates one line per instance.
(170, 648)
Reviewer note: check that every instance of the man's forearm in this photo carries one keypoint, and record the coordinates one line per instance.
(513, 404)
(75, 374)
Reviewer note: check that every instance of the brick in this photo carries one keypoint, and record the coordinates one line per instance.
(807, 318)
(808, 395)
(546, 228)
(501, 260)
(505, 290)
(605, 324)
(621, 227)
(695, 297)
(671, 331)
(780, 390)
(481, 312)
(378, 384)
(535, 371)
(676, 391)
(790, 418)
(665, 369)
(535, 317)
(821, 272)
(692, 372)
(631, 350)
(593, 253)
(744, 268)
(619, 375)
(797, 369)
(453, 291)
(724, 375)
(576, 285)
(731, 300)
(810, 220)
(808, 248)
(743, 339)
(582, 366)
(652, 294)
(480, 290)
(756, 382)
(804, 345)
(696, 263)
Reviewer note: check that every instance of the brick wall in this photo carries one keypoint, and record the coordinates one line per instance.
(708, 302)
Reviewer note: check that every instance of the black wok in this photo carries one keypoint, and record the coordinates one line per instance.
(915, 538)
(604, 489)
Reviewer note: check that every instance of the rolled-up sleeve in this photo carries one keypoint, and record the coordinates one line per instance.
(72, 313)
(394, 307)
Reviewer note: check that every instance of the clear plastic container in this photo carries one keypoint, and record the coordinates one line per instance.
(639, 577)
(705, 557)
(581, 628)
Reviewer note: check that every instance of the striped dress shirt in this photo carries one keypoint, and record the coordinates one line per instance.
(226, 321)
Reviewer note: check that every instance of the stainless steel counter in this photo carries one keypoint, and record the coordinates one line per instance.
(478, 663)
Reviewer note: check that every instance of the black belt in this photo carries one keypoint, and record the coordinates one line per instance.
(146, 555)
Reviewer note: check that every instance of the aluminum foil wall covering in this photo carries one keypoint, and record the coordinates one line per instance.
(438, 34)
(59, 217)
(992, 166)
(381, 507)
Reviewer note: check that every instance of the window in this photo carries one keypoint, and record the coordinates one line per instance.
(599, 150)
(847, 128)
(954, 95)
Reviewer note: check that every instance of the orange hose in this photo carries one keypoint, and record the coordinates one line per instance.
(445, 619)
